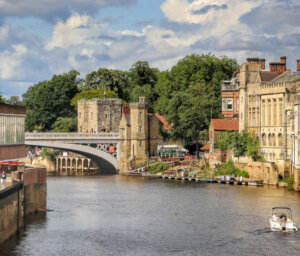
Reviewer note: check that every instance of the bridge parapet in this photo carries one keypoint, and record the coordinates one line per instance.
(74, 136)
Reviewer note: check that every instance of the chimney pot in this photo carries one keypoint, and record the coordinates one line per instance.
(262, 64)
(298, 65)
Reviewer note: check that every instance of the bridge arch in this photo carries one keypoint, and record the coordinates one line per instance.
(106, 162)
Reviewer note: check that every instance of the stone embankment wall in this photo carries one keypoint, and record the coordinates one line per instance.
(265, 171)
(27, 195)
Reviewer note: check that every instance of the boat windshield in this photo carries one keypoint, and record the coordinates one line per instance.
(282, 213)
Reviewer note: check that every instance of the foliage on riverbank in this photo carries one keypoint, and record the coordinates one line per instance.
(158, 167)
(49, 153)
(229, 168)
(289, 181)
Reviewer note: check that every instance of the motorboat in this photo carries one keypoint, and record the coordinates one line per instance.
(282, 220)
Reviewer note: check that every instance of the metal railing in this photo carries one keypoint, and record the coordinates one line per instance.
(52, 135)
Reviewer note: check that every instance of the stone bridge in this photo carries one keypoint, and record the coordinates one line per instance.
(102, 148)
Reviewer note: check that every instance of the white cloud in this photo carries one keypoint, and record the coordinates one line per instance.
(54, 10)
(10, 60)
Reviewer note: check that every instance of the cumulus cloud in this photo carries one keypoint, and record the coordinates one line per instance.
(53, 10)
(235, 28)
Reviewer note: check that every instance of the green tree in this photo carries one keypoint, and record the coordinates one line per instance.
(14, 100)
(239, 143)
(141, 74)
(194, 69)
(190, 93)
(93, 94)
(48, 100)
(114, 80)
(65, 124)
(50, 154)
(142, 79)
(2, 100)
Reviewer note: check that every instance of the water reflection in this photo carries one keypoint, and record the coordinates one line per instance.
(117, 215)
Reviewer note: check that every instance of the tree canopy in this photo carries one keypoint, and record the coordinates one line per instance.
(93, 94)
(190, 93)
(48, 100)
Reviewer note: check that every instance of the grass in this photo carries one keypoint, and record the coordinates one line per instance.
(158, 167)
(229, 168)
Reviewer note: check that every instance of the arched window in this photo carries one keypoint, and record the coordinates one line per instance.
(269, 139)
(264, 139)
(273, 140)
(280, 140)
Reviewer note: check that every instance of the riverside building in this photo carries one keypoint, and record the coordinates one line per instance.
(12, 132)
(269, 105)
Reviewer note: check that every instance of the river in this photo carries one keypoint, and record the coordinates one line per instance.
(119, 215)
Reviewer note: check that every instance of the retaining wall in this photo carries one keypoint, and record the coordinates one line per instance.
(27, 195)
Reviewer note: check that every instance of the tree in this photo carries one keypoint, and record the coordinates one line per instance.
(65, 124)
(93, 94)
(190, 93)
(141, 74)
(48, 100)
(115, 80)
(50, 153)
(207, 70)
(14, 100)
(1, 99)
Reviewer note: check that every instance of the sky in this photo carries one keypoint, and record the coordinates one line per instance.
(40, 38)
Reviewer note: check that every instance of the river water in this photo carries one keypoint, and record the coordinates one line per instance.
(117, 215)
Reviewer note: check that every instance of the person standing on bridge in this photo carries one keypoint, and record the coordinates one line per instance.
(3, 178)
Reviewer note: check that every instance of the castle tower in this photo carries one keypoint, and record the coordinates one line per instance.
(139, 131)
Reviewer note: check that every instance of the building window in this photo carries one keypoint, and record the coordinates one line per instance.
(280, 140)
(140, 128)
(229, 104)
(264, 139)
(141, 143)
(237, 104)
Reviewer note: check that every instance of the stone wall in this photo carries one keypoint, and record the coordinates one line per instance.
(11, 211)
(265, 171)
(28, 195)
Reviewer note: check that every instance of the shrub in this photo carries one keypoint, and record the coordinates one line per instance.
(229, 168)
(158, 167)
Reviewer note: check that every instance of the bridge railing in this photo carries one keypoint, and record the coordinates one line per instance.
(53, 135)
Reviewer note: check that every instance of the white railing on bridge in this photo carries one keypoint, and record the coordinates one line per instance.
(61, 135)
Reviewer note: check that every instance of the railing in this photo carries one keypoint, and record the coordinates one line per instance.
(52, 135)
(11, 190)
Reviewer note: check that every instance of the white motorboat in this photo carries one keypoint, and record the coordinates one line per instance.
(282, 220)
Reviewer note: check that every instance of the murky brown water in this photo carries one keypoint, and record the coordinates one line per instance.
(136, 216)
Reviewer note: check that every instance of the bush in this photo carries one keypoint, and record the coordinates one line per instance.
(229, 168)
(158, 167)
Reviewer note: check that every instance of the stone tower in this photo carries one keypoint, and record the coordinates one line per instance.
(139, 130)
(99, 115)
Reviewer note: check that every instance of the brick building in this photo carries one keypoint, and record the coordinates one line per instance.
(12, 132)
(218, 126)
(230, 97)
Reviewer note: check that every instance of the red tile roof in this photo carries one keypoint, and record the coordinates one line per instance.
(166, 125)
(225, 124)
(205, 148)
(267, 76)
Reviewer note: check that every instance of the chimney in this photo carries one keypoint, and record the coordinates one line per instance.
(283, 62)
(262, 64)
(298, 65)
(126, 109)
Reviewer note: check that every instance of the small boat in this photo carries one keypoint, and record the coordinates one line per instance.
(281, 220)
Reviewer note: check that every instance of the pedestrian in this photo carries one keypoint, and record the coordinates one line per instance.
(3, 178)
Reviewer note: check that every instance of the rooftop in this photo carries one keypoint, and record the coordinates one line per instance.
(166, 125)
(225, 124)
(267, 76)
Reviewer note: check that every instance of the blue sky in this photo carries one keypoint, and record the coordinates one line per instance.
(40, 38)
